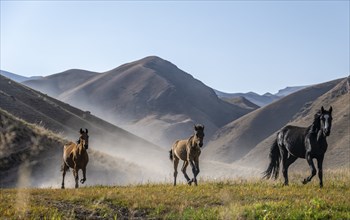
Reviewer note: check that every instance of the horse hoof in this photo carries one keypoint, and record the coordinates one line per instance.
(189, 182)
(304, 181)
(62, 187)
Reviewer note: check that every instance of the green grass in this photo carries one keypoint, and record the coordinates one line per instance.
(231, 199)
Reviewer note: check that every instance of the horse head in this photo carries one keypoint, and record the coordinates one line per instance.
(84, 138)
(199, 134)
(326, 121)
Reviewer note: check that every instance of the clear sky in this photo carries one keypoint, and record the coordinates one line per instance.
(231, 46)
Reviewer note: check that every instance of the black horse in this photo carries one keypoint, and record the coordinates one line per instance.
(294, 142)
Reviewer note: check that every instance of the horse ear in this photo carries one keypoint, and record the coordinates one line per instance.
(322, 109)
(86, 130)
(330, 110)
(81, 130)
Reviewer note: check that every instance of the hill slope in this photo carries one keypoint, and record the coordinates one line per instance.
(35, 107)
(237, 138)
(150, 97)
(31, 156)
(338, 152)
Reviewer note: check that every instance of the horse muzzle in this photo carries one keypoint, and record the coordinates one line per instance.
(86, 146)
(326, 132)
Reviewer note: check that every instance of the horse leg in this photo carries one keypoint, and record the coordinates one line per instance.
(286, 163)
(196, 162)
(194, 171)
(183, 169)
(84, 176)
(76, 177)
(176, 163)
(64, 170)
(312, 167)
(320, 171)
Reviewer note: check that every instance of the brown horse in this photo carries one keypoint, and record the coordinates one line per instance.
(188, 151)
(76, 157)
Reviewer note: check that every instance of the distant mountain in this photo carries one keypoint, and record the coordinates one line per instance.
(17, 78)
(338, 152)
(61, 118)
(261, 100)
(150, 97)
(236, 139)
(13, 76)
(242, 102)
(289, 90)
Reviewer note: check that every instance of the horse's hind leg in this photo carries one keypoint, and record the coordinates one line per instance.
(183, 169)
(320, 171)
(312, 167)
(64, 170)
(286, 163)
(176, 163)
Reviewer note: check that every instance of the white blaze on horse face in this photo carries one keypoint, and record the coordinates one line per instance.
(326, 125)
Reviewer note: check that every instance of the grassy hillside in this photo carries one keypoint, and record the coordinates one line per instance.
(231, 199)
(31, 156)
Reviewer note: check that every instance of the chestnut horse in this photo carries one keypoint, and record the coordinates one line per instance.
(76, 157)
(188, 151)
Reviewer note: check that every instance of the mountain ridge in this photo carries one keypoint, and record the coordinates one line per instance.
(145, 94)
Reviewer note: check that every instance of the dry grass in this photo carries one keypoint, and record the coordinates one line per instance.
(230, 199)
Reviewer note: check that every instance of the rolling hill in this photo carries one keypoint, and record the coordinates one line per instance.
(31, 156)
(237, 138)
(338, 152)
(37, 108)
(150, 97)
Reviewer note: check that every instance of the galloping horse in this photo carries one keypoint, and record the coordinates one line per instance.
(188, 151)
(76, 157)
(294, 142)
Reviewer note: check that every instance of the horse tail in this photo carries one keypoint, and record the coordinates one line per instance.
(275, 158)
(171, 154)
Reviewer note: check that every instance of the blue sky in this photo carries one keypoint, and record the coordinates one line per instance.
(232, 46)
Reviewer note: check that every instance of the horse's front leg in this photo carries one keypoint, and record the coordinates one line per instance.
(312, 167)
(320, 169)
(76, 176)
(183, 169)
(84, 176)
(195, 172)
(196, 163)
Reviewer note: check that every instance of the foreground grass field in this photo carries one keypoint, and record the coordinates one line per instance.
(231, 199)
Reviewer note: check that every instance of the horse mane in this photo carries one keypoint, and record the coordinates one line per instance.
(316, 124)
(190, 139)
